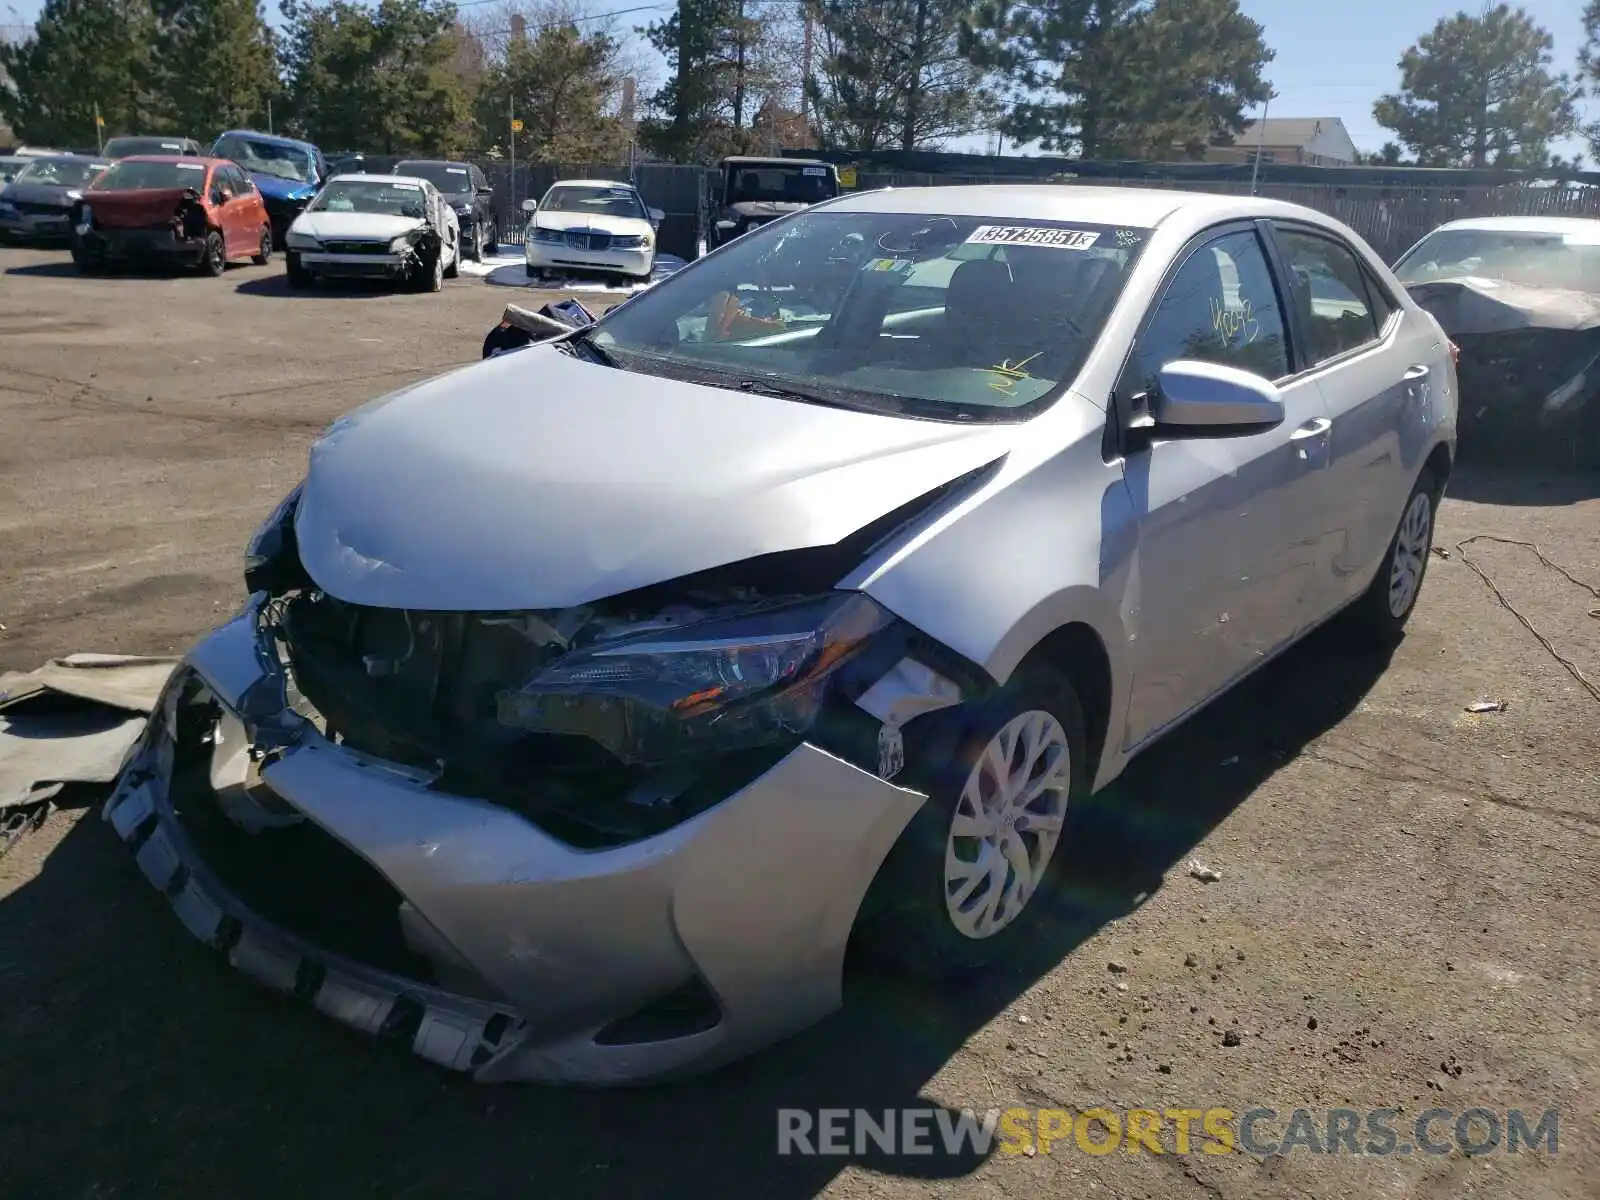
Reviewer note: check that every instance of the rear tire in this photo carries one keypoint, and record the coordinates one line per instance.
(535, 273)
(1006, 797)
(214, 258)
(492, 245)
(1380, 615)
(264, 256)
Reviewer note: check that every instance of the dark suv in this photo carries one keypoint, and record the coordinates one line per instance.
(754, 191)
(464, 189)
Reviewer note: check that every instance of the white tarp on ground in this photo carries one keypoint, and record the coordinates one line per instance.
(72, 721)
(507, 269)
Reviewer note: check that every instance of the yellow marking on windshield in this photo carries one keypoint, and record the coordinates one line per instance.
(1010, 373)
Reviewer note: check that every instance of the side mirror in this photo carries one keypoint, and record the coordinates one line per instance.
(1211, 398)
(657, 216)
(486, 190)
(530, 206)
(222, 195)
(726, 225)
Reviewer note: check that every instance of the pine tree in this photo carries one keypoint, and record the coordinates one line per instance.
(83, 54)
(893, 74)
(1478, 92)
(1122, 77)
(218, 65)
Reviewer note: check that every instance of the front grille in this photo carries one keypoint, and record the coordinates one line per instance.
(362, 247)
(589, 241)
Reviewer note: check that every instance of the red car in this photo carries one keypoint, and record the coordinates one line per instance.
(200, 212)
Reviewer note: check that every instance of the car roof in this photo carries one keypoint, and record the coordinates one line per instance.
(64, 158)
(270, 138)
(775, 160)
(604, 183)
(1130, 206)
(357, 177)
(1526, 224)
(432, 162)
(178, 158)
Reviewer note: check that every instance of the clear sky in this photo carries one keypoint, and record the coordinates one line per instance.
(1334, 57)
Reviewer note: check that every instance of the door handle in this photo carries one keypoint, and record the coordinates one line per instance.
(1415, 374)
(1314, 428)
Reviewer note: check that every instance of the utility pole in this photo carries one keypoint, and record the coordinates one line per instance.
(511, 134)
(738, 78)
(1261, 130)
(269, 116)
(805, 67)
(99, 129)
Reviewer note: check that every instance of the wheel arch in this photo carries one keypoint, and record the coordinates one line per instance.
(1077, 652)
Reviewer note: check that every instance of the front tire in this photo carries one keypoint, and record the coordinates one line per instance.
(295, 272)
(968, 881)
(477, 243)
(454, 269)
(492, 245)
(214, 258)
(1383, 610)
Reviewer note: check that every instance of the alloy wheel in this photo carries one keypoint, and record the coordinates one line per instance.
(1006, 824)
(1411, 547)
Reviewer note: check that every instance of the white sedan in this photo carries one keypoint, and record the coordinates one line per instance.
(628, 676)
(590, 226)
(375, 227)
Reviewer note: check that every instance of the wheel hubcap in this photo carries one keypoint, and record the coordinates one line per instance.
(1411, 546)
(1006, 824)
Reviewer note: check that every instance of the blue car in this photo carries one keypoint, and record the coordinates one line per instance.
(287, 172)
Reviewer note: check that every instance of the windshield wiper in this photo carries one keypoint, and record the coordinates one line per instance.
(585, 337)
(762, 387)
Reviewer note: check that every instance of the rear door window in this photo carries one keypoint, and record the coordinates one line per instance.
(1331, 292)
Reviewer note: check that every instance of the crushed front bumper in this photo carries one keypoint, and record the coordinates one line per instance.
(162, 244)
(359, 266)
(562, 964)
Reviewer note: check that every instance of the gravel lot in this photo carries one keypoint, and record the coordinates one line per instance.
(1406, 916)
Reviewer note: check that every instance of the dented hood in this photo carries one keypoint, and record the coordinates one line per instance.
(1471, 305)
(537, 480)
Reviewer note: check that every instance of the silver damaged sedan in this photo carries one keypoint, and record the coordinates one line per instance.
(591, 698)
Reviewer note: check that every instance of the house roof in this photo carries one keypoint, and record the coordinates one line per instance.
(1287, 131)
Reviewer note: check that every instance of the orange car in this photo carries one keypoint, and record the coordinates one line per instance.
(201, 212)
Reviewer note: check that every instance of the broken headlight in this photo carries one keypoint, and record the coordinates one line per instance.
(714, 686)
(267, 559)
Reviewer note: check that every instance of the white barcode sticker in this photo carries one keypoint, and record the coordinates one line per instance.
(1033, 235)
(813, 170)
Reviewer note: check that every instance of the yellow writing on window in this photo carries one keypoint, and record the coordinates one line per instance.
(1234, 325)
(1008, 374)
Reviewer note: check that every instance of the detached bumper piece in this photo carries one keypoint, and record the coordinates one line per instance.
(470, 931)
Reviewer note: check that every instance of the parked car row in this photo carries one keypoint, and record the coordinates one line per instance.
(161, 199)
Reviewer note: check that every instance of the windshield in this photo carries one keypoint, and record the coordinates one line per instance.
(612, 201)
(954, 318)
(780, 185)
(132, 175)
(267, 158)
(369, 196)
(449, 178)
(1553, 260)
(55, 172)
(122, 147)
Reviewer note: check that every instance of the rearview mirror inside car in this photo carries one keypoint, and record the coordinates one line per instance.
(1215, 399)
(530, 206)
